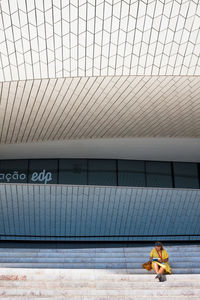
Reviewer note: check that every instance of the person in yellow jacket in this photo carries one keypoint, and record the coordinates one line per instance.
(159, 259)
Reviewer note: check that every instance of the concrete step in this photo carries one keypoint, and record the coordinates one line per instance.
(98, 258)
(188, 248)
(182, 257)
(92, 255)
(175, 271)
(131, 262)
(107, 298)
(24, 274)
(96, 251)
(117, 253)
(83, 292)
(136, 269)
(100, 273)
(175, 262)
(92, 283)
(95, 258)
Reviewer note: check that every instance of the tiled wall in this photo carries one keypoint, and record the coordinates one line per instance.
(56, 212)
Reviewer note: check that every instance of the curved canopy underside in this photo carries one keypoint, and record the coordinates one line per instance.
(88, 70)
(59, 38)
(99, 107)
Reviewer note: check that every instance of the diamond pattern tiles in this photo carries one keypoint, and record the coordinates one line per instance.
(70, 38)
(99, 107)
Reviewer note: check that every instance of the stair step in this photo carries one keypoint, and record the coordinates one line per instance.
(138, 255)
(100, 273)
(89, 263)
(98, 292)
(90, 254)
(96, 263)
(106, 298)
(173, 260)
(62, 274)
(135, 270)
(100, 284)
(96, 254)
(189, 248)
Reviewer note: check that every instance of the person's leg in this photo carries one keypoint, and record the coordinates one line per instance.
(161, 270)
(155, 267)
(160, 274)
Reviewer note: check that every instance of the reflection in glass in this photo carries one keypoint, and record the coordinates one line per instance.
(158, 174)
(73, 171)
(102, 172)
(186, 175)
(131, 173)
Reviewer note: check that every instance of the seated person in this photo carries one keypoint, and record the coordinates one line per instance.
(159, 259)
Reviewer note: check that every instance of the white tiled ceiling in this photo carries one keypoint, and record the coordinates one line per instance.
(99, 107)
(99, 69)
(71, 38)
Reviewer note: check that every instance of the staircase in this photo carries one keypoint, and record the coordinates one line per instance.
(97, 273)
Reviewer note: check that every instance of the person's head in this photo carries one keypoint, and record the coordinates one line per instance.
(159, 246)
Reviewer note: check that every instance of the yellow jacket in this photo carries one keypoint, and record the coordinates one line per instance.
(164, 255)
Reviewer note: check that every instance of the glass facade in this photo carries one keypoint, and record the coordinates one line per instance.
(102, 172)
(159, 174)
(43, 171)
(106, 172)
(14, 171)
(131, 173)
(73, 171)
(186, 175)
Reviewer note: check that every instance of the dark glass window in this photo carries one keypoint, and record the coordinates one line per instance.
(43, 171)
(131, 173)
(186, 175)
(102, 172)
(158, 174)
(108, 172)
(14, 171)
(73, 171)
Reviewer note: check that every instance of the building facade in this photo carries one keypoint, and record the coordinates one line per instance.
(99, 120)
